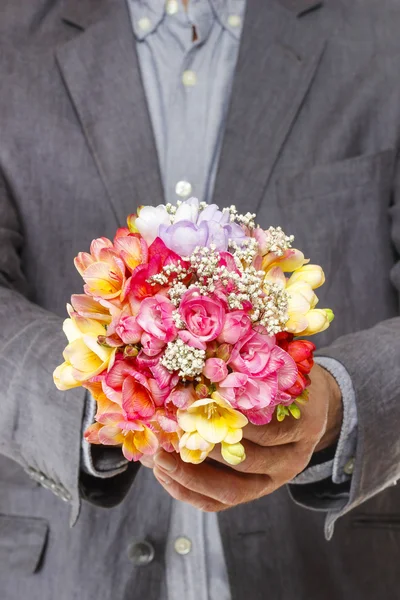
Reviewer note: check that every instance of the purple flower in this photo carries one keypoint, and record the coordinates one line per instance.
(200, 228)
(184, 236)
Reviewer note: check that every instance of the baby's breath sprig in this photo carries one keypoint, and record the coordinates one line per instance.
(186, 360)
(277, 241)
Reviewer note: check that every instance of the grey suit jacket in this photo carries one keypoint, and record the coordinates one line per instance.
(311, 144)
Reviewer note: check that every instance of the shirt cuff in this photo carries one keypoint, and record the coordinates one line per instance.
(99, 461)
(341, 467)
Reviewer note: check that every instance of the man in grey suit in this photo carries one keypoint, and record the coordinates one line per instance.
(290, 108)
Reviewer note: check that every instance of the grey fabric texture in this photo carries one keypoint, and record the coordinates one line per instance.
(22, 542)
(311, 143)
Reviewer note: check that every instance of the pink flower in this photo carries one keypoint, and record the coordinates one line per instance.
(252, 355)
(156, 318)
(151, 345)
(182, 395)
(203, 316)
(114, 380)
(245, 393)
(261, 416)
(257, 355)
(237, 325)
(215, 369)
(191, 340)
(128, 330)
(166, 427)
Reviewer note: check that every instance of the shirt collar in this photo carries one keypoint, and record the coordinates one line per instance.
(148, 14)
(230, 13)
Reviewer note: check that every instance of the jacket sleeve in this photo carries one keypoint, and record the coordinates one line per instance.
(40, 427)
(372, 359)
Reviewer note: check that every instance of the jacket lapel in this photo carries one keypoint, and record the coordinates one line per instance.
(101, 72)
(270, 84)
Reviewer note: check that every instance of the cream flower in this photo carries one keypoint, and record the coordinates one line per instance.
(304, 318)
(207, 422)
(84, 356)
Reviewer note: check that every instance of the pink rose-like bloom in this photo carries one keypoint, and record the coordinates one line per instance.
(215, 369)
(237, 325)
(257, 355)
(128, 330)
(151, 345)
(204, 316)
(155, 317)
(245, 393)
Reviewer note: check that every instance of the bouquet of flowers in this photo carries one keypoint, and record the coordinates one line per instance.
(188, 329)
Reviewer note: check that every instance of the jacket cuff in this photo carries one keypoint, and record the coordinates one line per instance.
(339, 462)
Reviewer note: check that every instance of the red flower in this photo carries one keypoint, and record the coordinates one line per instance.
(158, 256)
(302, 352)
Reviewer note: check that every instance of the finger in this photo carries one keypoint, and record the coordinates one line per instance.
(147, 461)
(226, 486)
(275, 433)
(281, 463)
(177, 491)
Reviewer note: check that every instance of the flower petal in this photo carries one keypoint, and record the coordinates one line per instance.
(129, 449)
(234, 436)
(213, 429)
(91, 434)
(136, 400)
(146, 441)
(111, 436)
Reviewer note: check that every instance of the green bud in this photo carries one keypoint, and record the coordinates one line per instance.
(224, 352)
(130, 352)
(295, 411)
(329, 314)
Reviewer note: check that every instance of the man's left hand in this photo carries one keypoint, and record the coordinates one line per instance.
(275, 454)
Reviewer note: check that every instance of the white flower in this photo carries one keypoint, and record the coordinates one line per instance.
(149, 220)
(187, 211)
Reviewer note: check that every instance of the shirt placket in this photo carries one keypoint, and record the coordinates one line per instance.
(184, 171)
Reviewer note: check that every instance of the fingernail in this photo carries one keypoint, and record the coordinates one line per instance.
(162, 476)
(166, 461)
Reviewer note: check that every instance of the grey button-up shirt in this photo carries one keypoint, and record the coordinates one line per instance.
(187, 59)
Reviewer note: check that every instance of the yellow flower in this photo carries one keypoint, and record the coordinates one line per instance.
(207, 422)
(304, 318)
(311, 274)
(84, 356)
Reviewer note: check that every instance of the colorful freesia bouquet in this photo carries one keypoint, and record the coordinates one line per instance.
(187, 330)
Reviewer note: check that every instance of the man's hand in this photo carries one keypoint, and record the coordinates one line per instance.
(275, 454)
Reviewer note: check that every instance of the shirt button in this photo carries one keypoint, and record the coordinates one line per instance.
(183, 188)
(234, 21)
(141, 553)
(349, 467)
(182, 545)
(144, 24)
(189, 78)
(172, 7)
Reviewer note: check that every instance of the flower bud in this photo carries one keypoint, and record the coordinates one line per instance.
(202, 390)
(233, 454)
(215, 369)
(211, 349)
(311, 274)
(131, 222)
(224, 352)
(130, 352)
